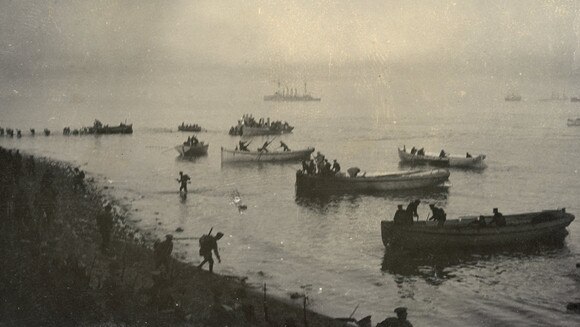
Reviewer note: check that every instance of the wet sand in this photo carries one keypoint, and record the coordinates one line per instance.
(54, 272)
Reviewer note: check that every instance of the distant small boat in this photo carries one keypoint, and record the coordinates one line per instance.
(248, 126)
(575, 99)
(555, 97)
(290, 95)
(99, 128)
(513, 97)
(374, 182)
(189, 128)
(447, 161)
(192, 150)
(274, 156)
(462, 233)
(573, 122)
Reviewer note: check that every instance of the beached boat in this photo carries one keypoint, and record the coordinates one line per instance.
(463, 233)
(192, 150)
(370, 182)
(447, 161)
(573, 122)
(275, 156)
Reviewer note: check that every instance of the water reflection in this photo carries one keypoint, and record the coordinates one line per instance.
(414, 165)
(192, 158)
(436, 267)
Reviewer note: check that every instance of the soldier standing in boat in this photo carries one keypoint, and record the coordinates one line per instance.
(439, 215)
(399, 321)
(183, 179)
(498, 219)
(335, 167)
(400, 215)
(412, 210)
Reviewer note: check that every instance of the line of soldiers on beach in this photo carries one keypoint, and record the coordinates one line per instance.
(32, 209)
(404, 217)
(320, 166)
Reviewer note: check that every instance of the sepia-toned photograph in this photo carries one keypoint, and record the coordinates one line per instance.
(289, 163)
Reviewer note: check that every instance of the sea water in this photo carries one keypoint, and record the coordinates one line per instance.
(329, 247)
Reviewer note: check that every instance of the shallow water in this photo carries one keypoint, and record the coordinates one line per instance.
(330, 247)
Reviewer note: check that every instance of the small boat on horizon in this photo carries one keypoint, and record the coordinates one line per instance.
(249, 126)
(99, 128)
(370, 182)
(257, 156)
(189, 127)
(573, 122)
(513, 97)
(463, 233)
(445, 161)
(555, 97)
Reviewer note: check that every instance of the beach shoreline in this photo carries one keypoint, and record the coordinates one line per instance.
(56, 273)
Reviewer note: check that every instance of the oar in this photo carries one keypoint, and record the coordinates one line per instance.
(353, 311)
(167, 150)
(186, 238)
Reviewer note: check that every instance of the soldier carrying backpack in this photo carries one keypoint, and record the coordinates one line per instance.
(207, 244)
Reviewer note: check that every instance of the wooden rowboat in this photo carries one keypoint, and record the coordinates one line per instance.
(376, 182)
(192, 150)
(462, 233)
(447, 161)
(276, 156)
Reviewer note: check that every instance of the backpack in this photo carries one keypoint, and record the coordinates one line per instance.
(204, 243)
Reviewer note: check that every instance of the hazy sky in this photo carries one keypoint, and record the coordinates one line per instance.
(55, 32)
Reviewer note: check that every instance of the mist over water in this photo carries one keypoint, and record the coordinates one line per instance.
(330, 246)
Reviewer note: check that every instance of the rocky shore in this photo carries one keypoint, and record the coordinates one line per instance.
(54, 272)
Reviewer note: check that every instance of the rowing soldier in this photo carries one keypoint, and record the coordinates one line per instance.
(264, 147)
(243, 145)
(284, 146)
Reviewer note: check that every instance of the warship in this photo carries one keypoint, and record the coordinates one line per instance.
(290, 95)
